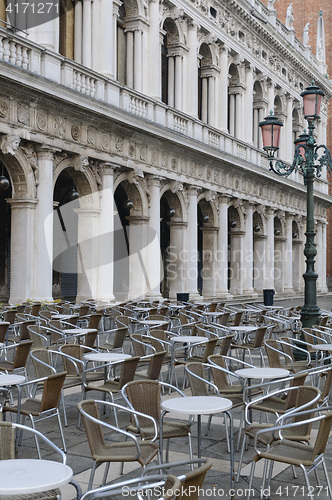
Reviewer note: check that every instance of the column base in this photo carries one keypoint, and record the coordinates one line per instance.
(224, 295)
(154, 296)
(250, 293)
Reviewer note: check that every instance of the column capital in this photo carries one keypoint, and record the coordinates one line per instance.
(224, 198)
(155, 180)
(192, 190)
(16, 203)
(47, 152)
(107, 168)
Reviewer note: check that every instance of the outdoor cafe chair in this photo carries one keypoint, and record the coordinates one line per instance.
(20, 354)
(129, 449)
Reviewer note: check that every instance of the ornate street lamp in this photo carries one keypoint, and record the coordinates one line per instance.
(309, 159)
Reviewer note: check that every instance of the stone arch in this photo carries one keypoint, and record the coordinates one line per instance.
(235, 219)
(258, 224)
(136, 192)
(21, 175)
(209, 209)
(175, 201)
(85, 182)
(172, 31)
(234, 75)
(205, 55)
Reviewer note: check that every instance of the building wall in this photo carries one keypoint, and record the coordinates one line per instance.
(168, 163)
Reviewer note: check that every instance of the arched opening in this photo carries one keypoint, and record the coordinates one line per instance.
(65, 236)
(258, 112)
(5, 233)
(170, 76)
(234, 104)
(121, 46)
(204, 82)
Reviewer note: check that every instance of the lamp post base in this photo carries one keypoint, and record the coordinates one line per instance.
(310, 315)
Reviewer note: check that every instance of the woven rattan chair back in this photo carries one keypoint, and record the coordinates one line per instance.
(93, 430)
(193, 481)
(119, 338)
(224, 344)
(123, 321)
(304, 395)
(3, 331)
(7, 441)
(75, 351)
(272, 352)
(223, 320)
(90, 339)
(237, 318)
(36, 335)
(209, 349)
(155, 365)
(23, 331)
(322, 436)
(94, 320)
(138, 344)
(35, 309)
(197, 387)
(297, 381)
(22, 354)
(52, 391)
(128, 370)
(219, 376)
(10, 316)
(42, 363)
(327, 387)
(259, 337)
(145, 396)
(83, 310)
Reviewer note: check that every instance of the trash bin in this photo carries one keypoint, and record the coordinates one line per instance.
(268, 297)
(182, 297)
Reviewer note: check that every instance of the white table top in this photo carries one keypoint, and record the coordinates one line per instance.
(215, 313)
(81, 331)
(242, 328)
(11, 379)
(106, 356)
(22, 476)
(197, 405)
(262, 373)
(153, 322)
(319, 347)
(188, 339)
(62, 316)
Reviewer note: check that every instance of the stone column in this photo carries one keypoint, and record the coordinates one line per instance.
(324, 243)
(232, 111)
(248, 256)
(22, 247)
(154, 51)
(191, 96)
(288, 126)
(238, 133)
(130, 59)
(171, 76)
(259, 261)
(288, 255)
(43, 247)
(256, 130)
(269, 249)
(78, 31)
(138, 60)
(106, 39)
(279, 263)
(138, 277)
(192, 243)
(178, 82)
(89, 242)
(204, 112)
(297, 264)
(222, 249)
(154, 262)
(87, 39)
(211, 100)
(223, 90)
(106, 235)
(319, 262)
(270, 98)
(249, 106)
(209, 261)
(236, 261)
(260, 119)
(176, 264)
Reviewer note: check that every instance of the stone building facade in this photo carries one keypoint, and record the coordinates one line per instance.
(149, 111)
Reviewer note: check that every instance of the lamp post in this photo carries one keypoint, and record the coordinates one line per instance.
(309, 159)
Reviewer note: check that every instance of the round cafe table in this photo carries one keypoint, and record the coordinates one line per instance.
(198, 406)
(23, 476)
(183, 339)
(9, 380)
(106, 357)
(320, 347)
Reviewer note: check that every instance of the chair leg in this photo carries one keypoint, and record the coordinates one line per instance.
(92, 474)
(327, 477)
(36, 438)
(61, 432)
(64, 409)
(106, 473)
(306, 478)
(251, 478)
(240, 431)
(241, 458)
